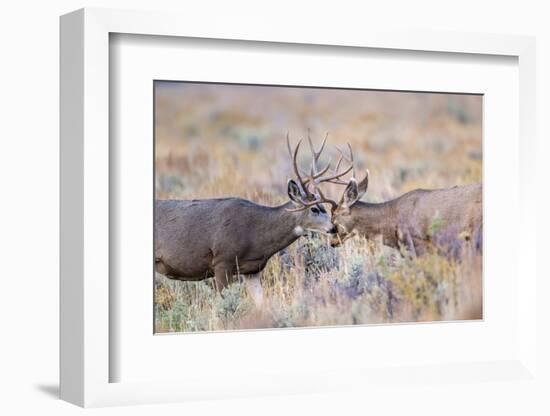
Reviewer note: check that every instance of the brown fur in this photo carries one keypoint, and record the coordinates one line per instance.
(198, 239)
(406, 220)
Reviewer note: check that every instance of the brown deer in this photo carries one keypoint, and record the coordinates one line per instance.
(222, 237)
(410, 223)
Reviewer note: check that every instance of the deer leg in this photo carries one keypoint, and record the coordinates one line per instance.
(221, 277)
(405, 244)
(254, 289)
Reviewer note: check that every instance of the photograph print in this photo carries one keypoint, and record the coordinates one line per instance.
(293, 207)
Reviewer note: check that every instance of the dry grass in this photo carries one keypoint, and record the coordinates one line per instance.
(216, 141)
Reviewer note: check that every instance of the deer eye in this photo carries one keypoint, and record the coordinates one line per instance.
(315, 210)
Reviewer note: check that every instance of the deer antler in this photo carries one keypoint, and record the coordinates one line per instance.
(322, 199)
(301, 174)
(314, 174)
(316, 154)
(350, 160)
(297, 171)
(336, 175)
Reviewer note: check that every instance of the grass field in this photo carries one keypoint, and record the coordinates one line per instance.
(223, 140)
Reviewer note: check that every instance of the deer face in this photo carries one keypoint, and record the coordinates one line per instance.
(342, 215)
(343, 221)
(316, 218)
(310, 213)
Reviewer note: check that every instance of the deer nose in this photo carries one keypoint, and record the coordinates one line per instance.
(333, 230)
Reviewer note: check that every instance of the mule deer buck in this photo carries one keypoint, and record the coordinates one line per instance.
(406, 223)
(197, 239)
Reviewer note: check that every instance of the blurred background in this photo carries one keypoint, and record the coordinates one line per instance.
(216, 140)
(229, 140)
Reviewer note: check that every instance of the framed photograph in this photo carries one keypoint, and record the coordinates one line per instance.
(260, 214)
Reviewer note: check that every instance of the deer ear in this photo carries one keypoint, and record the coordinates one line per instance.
(355, 191)
(294, 191)
(351, 193)
(363, 185)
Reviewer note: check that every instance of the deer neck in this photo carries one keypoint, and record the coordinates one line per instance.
(278, 229)
(373, 220)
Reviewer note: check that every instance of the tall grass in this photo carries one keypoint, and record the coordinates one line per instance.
(312, 284)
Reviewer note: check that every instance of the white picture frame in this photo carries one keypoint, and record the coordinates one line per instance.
(86, 357)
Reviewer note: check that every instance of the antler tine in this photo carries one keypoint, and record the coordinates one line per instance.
(313, 174)
(316, 153)
(289, 148)
(337, 168)
(351, 160)
(300, 173)
(297, 170)
(336, 175)
(290, 152)
(335, 178)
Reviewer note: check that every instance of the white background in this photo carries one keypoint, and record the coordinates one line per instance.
(29, 207)
(138, 60)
